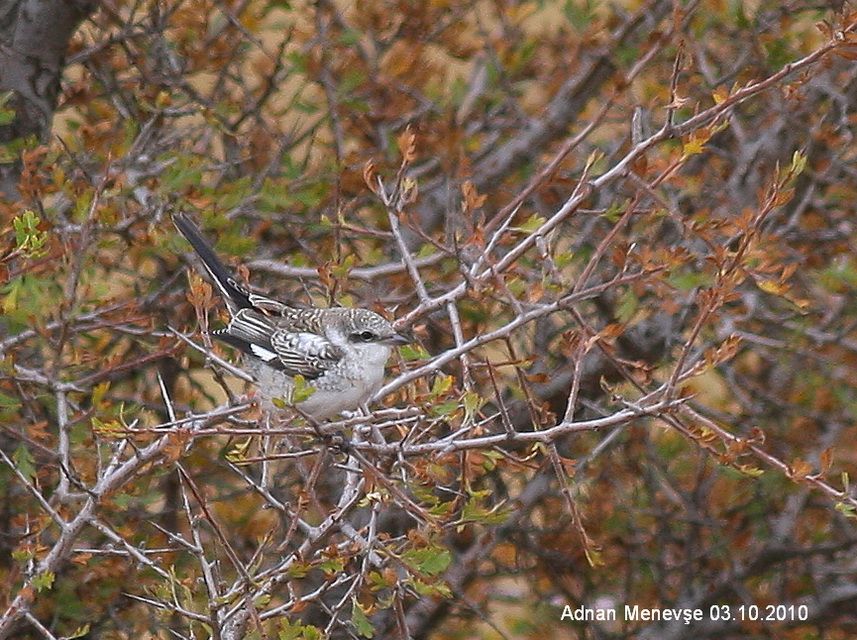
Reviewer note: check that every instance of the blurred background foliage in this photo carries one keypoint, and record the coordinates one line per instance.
(259, 117)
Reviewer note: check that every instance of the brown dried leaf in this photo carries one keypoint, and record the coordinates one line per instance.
(176, 444)
(720, 95)
(849, 52)
(407, 143)
(757, 436)
(325, 276)
(783, 197)
(825, 27)
(370, 177)
(472, 198)
(826, 460)
(199, 293)
(799, 469)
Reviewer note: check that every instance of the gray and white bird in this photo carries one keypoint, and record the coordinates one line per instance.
(340, 352)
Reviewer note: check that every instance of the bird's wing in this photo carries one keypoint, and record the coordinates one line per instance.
(268, 306)
(279, 345)
(308, 354)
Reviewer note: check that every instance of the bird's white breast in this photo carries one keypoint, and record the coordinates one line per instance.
(344, 387)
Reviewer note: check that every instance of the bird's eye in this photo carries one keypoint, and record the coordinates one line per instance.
(363, 336)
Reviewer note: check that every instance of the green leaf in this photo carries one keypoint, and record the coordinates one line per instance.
(778, 52)
(29, 297)
(235, 244)
(846, 510)
(533, 223)
(377, 581)
(28, 239)
(110, 429)
(685, 280)
(444, 408)
(741, 19)
(12, 291)
(750, 471)
(615, 211)
(123, 500)
(798, 164)
(360, 621)
(472, 404)
(7, 116)
(296, 631)
(238, 453)
(80, 211)
(475, 511)
(23, 459)
(490, 461)
(11, 151)
(22, 555)
(8, 402)
(442, 384)
(426, 250)
(579, 17)
(344, 268)
(628, 305)
(185, 172)
(429, 560)
(332, 565)
(306, 107)
(301, 390)
(627, 54)
(350, 81)
(430, 590)
(350, 37)
(311, 195)
(413, 352)
(299, 60)
(98, 393)
(692, 147)
(298, 569)
(44, 580)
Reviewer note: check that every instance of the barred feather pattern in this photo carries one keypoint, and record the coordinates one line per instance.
(340, 351)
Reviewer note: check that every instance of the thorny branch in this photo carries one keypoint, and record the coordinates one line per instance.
(409, 505)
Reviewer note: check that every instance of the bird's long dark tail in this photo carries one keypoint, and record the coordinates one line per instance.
(234, 294)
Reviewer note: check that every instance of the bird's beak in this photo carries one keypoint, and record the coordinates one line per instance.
(398, 339)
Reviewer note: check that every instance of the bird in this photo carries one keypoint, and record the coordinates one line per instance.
(340, 352)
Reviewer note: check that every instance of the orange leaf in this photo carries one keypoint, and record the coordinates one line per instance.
(472, 198)
(826, 460)
(407, 142)
(800, 469)
(370, 177)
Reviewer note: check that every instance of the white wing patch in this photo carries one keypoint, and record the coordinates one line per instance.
(262, 353)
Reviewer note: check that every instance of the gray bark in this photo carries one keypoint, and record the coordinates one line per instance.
(34, 36)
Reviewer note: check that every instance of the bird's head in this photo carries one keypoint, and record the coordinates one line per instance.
(367, 333)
